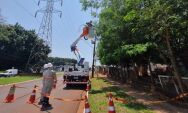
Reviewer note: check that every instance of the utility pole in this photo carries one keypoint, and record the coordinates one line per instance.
(45, 29)
(93, 63)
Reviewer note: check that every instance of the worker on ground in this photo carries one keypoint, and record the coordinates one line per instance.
(49, 78)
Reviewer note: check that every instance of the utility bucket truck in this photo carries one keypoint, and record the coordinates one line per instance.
(78, 74)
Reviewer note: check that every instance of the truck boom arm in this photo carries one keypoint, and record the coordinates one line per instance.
(85, 33)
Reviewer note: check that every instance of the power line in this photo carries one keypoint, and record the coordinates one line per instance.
(35, 2)
(20, 5)
(87, 43)
(45, 29)
(25, 9)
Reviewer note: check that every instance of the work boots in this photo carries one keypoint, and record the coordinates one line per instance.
(40, 102)
(46, 107)
(45, 104)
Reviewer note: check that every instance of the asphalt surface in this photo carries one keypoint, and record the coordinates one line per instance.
(22, 95)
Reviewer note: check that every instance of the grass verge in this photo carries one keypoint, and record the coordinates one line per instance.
(59, 73)
(18, 78)
(99, 102)
(21, 78)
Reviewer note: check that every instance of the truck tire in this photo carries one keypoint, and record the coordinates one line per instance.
(68, 85)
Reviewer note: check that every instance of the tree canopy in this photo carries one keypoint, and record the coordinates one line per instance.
(57, 61)
(141, 30)
(128, 25)
(16, 44)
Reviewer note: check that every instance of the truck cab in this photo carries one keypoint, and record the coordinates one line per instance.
(78, 74)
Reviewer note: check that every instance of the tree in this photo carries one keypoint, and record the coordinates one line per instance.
(16, 44)
(168, 19)
(127, 27)
(61, 61)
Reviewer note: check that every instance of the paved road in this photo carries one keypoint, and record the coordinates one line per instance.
(22, 95)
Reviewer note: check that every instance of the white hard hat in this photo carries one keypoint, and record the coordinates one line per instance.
(48, 65)
(45, 66)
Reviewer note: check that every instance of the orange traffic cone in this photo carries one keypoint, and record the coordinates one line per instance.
(87, 109)
(111, 108)
(33, 96)
(10, 96)
(88, 86)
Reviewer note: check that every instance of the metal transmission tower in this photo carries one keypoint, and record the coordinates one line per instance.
(45, 29)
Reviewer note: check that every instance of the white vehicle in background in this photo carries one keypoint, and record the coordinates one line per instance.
(76, 75)
(9, 72)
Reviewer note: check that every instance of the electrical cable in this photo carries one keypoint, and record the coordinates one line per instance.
(35, 2)
(87, 44)
(26, 10)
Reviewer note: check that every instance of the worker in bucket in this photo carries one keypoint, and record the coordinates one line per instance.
(49, 78)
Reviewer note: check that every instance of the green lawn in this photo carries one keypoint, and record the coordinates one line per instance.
(21, 78)
(99, 102)
(59, 73)
(2, 71)
(18, 78)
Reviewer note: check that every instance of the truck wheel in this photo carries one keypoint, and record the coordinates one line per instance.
(67, 85)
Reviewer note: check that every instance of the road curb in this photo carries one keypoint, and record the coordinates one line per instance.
(20, 82)
(82, 104)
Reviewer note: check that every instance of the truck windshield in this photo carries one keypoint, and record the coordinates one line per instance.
(8, 71)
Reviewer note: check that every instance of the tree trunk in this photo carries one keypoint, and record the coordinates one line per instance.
(124, 73)
(151, 76)
(117, 73)
(122, 76)
(173, 62)
(128, 73)
(114, 74)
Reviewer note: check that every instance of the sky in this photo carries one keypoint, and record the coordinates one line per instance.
(65, 29)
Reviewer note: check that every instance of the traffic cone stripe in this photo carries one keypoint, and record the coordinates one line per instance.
(87, 110)
(12, 90)
(10, 96)
(110, 99)
(32, 96)
(88, 86)
(111, 108)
